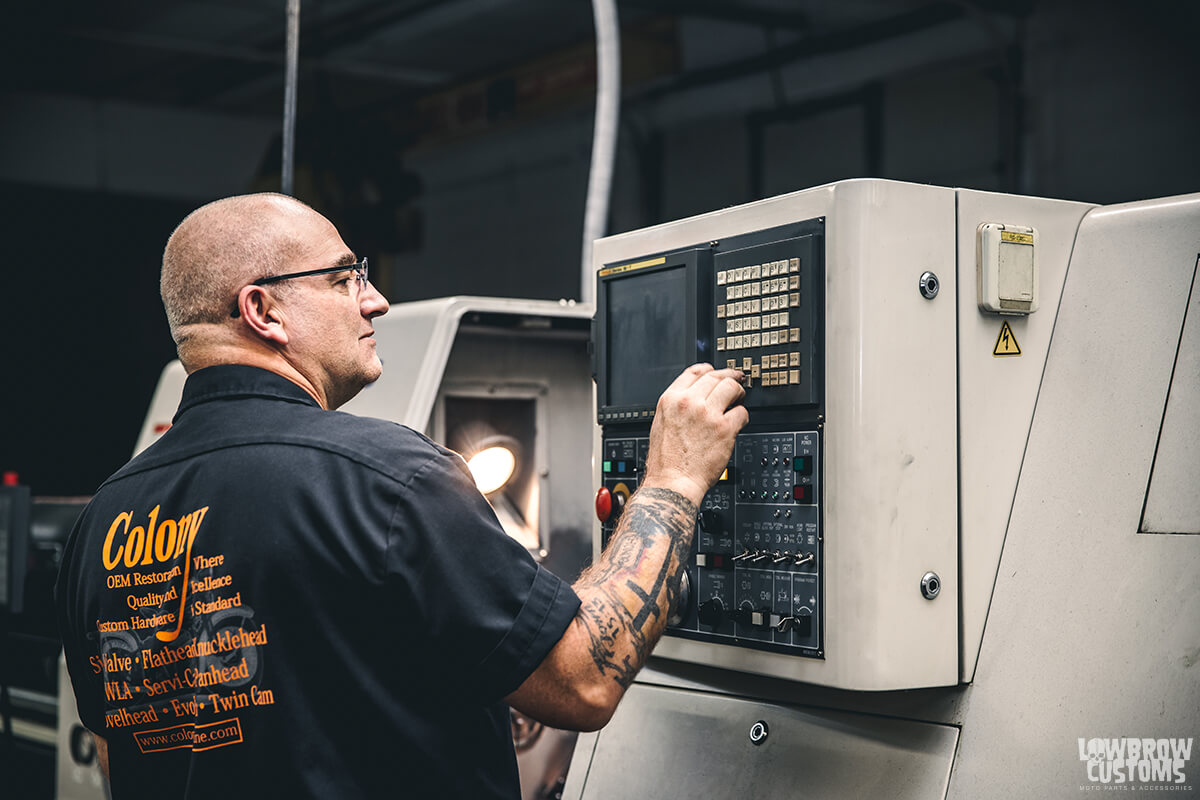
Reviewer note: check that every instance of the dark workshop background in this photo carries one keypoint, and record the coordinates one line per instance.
(450, 142)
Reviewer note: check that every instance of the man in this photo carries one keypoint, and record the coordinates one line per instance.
(278, 599)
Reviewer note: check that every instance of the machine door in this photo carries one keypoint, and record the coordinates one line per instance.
(675, 743)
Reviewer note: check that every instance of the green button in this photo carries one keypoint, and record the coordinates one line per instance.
(608, 466)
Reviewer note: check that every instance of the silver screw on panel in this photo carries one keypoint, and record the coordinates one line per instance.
(931, 584)
(759, 732)
(929, 285)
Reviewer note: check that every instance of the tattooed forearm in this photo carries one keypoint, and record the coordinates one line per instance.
(628, 594)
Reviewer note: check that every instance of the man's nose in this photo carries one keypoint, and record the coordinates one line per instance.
(372, 303)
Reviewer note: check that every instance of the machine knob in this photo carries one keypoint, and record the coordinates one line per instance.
(618, 498)
(711, 612)
(681, 604)
(603, 504)
(711, 521)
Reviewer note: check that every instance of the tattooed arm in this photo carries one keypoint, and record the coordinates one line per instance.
(627, 596)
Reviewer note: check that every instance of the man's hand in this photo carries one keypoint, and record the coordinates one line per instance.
(694, 431)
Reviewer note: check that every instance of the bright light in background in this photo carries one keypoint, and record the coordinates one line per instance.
(492, 467)
(495, 437)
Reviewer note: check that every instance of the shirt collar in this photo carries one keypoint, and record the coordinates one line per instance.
(226, 381)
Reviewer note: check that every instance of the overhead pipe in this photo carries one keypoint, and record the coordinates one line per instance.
(604, 137)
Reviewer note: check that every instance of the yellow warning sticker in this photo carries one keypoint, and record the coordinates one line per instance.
(1006, 343)
(1019, 238)
(650, 262)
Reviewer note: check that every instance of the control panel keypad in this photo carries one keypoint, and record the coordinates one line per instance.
(753, 313)
(761, 322)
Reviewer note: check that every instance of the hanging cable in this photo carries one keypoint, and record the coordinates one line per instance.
(288, 168)
(604, 137)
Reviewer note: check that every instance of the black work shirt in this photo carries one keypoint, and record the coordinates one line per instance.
(281, 600)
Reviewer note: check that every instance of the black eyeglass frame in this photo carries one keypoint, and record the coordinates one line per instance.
(358, 267)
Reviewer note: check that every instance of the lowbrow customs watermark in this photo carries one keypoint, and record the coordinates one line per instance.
(1136, 764)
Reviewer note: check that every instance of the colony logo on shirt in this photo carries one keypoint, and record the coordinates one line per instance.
(146, 546)
(183, 652)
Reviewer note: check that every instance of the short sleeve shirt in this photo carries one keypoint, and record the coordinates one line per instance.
(284, 600)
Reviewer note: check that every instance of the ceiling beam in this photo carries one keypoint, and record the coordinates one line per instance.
(744, 13)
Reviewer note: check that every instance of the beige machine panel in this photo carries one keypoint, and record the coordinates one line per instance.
(1173, 497)
(890, 431)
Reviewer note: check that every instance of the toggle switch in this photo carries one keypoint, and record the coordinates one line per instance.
(801, 624)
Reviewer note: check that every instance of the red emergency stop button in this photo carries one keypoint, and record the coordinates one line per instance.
(603, 504)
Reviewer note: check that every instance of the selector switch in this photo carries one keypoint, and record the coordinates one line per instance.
(711, 521)
(711, 612)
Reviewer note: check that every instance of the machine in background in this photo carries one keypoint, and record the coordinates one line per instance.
(507, 383)
(33, 531)
(969, 413)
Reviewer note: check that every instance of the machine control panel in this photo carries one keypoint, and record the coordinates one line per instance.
(755, 573)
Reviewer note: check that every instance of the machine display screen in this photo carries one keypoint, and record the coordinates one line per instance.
(647, 339)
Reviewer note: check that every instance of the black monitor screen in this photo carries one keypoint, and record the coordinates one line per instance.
(649, 342)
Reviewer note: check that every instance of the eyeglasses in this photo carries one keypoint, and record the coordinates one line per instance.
(359, 268)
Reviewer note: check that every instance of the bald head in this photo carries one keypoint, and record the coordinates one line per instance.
(218, 249)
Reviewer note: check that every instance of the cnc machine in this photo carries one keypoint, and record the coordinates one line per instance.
(956, 546)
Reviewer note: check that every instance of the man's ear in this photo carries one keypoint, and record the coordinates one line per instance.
(261, 314)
